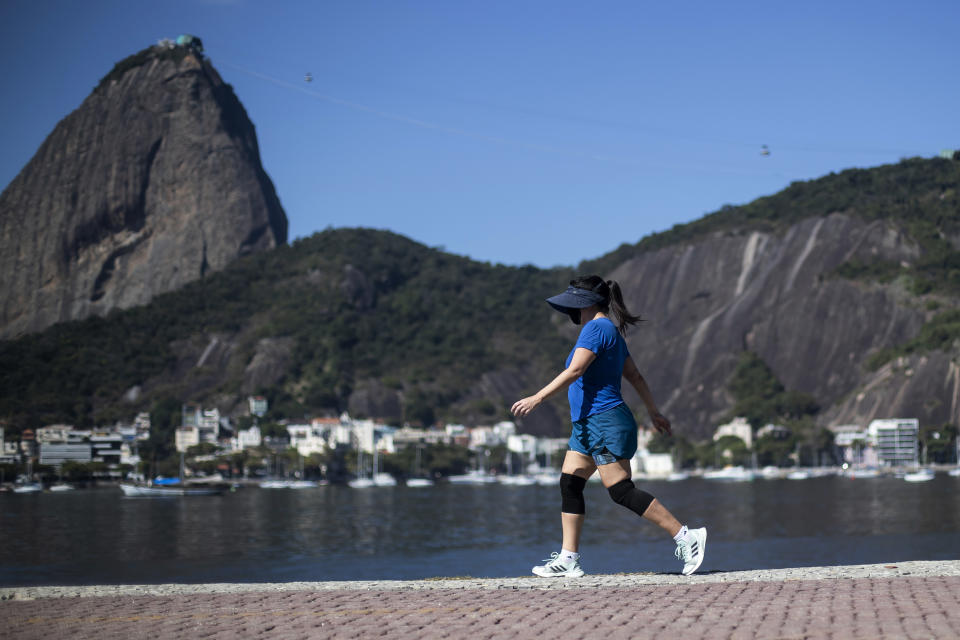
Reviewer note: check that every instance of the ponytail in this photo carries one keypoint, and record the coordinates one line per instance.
(619, 309)
(613, 300)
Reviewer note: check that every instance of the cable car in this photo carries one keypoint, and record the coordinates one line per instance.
(308, 77)
(764, 150)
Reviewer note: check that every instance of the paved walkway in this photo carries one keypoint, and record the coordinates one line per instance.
(906, 600)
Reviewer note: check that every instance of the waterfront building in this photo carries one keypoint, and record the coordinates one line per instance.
(257, 405)
(28, 444)
(186, 437)
(896, 440)
(106, 447)
(410, 436)
(246, 438)
(141, 426)
(738, 427)
(54, 433)
(482, 438)
(656, 465)
(367, 432)
(206, 421)
(8, 450)
(60, 452)
(308, 439)
(523, 444)
(62, 443)
(775, 431)
(856, 445)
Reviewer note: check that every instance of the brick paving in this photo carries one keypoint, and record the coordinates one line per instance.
(905, 606)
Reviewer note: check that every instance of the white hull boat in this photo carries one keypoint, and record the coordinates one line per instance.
(142, 491)
(419, 482)
(474, 477)
(729, 474)
(289, 484)
(923, 475)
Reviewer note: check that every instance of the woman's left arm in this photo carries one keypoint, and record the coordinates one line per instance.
(582, 359)
(634, 377)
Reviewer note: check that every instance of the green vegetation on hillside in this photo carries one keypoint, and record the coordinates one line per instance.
(761, 398)
(357, 304)
(942, 332)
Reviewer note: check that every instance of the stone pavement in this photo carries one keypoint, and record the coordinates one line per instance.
(902, 600)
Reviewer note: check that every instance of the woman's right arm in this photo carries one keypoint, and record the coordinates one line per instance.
(633, 376)
(582, 358)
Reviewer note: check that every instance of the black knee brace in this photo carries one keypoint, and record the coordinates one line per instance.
(571, 493)
(627, 494)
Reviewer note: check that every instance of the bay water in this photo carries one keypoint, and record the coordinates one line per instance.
(98, 536)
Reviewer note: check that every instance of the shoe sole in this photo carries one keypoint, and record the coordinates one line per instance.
(703, 552)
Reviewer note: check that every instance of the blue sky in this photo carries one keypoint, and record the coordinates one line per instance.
(522, 132)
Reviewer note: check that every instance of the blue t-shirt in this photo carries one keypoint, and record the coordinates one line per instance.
(598, 389)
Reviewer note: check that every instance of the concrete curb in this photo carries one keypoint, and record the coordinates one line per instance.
(914, 569)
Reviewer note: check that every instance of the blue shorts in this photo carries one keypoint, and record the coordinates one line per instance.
(606, 437)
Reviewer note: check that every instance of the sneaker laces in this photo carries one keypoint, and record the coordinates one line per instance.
(553, 559)
(682, 551)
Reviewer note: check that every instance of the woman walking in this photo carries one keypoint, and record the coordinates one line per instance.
(604, 434)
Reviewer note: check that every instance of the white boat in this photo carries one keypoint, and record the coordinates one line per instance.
(384, 480)
(172, 487)
(419, 482)
(361, 483)
(548, 478)
(473, 477)
(520, 480)
(730, 474)
(771, 472)
(144, 491)
(289, 484)
(921, 475)
(677, 476)
(376, 479)
(799, 474)
(28, 487)
(62, 486)
(863, 473)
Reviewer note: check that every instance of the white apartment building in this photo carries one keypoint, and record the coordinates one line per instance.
(246, 439)
(186, 437)
(524, 444)
(896, 440)
(207, 421)
(308, 439)
(738, 427)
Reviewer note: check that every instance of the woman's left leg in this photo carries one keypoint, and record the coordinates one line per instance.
(616, 478)
(690, 543)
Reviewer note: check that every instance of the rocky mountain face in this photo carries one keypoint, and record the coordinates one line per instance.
(154, 181)
(777, 294)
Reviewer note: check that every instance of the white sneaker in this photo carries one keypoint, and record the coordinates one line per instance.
(557, 568)
(691, 549)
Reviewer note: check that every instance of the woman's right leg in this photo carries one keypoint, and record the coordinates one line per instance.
(581, 466)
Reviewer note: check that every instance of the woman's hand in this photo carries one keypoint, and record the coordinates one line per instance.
(660, 423)
(521, 408)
